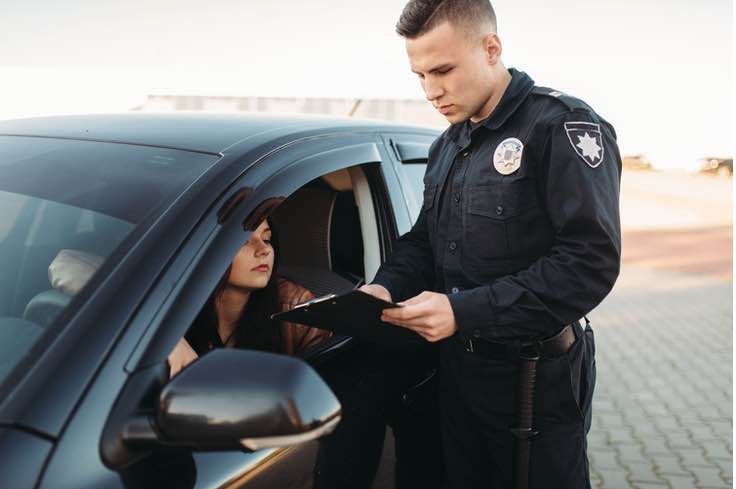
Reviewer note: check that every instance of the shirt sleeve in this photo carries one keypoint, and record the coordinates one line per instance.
(409, 269)
(581, 196)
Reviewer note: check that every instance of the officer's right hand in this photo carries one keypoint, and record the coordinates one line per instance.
(377, 291)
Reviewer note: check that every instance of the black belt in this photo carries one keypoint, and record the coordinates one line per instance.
(547, 348)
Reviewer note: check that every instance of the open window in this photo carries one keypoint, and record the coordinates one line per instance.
(328, 242)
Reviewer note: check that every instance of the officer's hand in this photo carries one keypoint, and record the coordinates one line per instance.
(377, 291)
(429, 314)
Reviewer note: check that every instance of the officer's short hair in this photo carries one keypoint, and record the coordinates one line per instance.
(420, 16)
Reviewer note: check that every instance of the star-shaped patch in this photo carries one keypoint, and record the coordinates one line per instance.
(589, 146)
(586, 140)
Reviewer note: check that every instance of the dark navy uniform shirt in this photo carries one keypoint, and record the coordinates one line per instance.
(520, 218)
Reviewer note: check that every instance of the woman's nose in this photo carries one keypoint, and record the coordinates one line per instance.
(262, 249)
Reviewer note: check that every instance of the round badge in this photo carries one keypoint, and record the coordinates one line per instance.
(507, 157)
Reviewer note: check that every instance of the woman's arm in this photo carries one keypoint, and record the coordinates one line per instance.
(181, 356)
(298, 337)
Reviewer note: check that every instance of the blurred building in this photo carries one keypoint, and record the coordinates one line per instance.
(410, 111)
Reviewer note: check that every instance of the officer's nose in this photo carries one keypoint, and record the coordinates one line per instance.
(433, 90)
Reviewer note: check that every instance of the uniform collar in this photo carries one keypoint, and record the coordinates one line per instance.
(519, 88)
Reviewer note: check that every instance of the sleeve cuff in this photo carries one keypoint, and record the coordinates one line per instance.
(473, 313)
(386, 282)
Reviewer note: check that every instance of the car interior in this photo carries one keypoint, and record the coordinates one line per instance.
(328, 235)
(322, 233)
(49, 252)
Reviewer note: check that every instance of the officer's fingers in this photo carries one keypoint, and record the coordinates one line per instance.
(429, 324)
(417, 328)
(430, 334)
(406, 313)
(417, 299)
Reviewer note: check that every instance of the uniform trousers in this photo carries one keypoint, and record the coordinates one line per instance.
(478, 405)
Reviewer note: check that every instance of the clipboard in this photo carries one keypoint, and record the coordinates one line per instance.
(353, 313)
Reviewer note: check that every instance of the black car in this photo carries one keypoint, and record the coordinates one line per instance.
(152, 207)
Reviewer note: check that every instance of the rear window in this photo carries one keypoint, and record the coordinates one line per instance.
(65, 206)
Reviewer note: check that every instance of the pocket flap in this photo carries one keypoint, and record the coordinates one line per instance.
(503, 200)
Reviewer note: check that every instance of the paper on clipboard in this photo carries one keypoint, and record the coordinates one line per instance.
(353, 313)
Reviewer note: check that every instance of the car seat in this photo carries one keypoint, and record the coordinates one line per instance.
(68, 272)
(305, 226)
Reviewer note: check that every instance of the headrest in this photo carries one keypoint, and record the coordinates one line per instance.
(71, 269)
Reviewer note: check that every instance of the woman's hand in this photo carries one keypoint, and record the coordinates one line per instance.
(181, 356)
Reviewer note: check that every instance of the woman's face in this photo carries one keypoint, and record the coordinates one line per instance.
(253, 265)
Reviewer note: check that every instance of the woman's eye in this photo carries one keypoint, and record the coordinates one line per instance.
(267, 241)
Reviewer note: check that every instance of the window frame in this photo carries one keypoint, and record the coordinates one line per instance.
(280, 175)
(413, 154)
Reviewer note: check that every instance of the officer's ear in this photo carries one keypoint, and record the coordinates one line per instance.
(492, 47)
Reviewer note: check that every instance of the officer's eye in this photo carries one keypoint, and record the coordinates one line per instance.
(445, 71)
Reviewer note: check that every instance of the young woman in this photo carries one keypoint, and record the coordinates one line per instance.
(239, 310)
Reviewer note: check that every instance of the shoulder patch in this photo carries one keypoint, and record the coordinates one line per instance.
(572, 103)
(587, 141)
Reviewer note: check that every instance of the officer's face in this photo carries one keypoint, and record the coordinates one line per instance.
(458, 70)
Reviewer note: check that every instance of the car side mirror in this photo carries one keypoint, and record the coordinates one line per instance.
(228, 399)
(233, 398)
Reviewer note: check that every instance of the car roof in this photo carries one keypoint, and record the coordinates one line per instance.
(193, 131)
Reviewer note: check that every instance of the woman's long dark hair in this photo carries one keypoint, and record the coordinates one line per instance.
(254, 328)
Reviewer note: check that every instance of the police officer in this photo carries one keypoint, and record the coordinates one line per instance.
(518, 238)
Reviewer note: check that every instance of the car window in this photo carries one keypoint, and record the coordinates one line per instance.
(311, 245)
(411, 152)
(321, 250)
(66, 206)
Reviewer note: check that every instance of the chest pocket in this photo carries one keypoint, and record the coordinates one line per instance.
(493, 222)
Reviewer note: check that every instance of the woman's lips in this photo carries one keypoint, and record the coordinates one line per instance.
(261, 268)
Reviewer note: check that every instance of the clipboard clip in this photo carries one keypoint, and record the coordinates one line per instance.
(308, 303)
(316, 300)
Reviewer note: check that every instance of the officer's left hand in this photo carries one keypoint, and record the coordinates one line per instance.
(429, 314)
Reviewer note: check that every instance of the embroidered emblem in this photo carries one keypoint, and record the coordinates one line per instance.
(586, 140)
(507, 157)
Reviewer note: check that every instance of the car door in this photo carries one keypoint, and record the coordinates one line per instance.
(253, 196)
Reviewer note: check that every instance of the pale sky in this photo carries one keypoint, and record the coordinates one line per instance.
(660, 71)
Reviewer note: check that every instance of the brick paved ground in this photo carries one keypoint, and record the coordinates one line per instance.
(662, 409)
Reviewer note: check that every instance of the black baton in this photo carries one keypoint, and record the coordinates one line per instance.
(529, 356)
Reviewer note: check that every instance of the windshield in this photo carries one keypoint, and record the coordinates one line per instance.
(65, 206)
